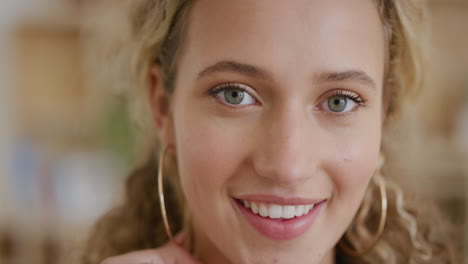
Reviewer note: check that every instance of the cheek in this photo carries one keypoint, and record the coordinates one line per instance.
(207, 155)
(352, 170)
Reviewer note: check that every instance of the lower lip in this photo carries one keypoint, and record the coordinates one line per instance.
(285, 229)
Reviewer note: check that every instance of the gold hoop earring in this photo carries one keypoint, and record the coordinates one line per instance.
(383, 216)
(162, 156)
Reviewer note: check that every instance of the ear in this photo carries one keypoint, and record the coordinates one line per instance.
(160, 106)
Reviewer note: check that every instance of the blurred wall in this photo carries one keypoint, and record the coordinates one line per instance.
(64, 148)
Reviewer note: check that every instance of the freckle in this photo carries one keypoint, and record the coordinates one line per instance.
(275, 260)
(347, 160)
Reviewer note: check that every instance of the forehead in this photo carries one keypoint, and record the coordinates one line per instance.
(300, 36)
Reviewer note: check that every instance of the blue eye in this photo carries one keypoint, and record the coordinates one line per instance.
(233, 94)
(342, 102)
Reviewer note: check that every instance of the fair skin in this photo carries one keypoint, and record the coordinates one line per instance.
(285, 138)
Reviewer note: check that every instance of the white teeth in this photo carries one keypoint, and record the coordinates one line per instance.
(254, 208)
(289, 211)
(276, 211)
(307, 208)
(263, 210)
(300, 210)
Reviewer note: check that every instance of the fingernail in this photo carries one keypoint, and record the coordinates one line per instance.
(179, 238)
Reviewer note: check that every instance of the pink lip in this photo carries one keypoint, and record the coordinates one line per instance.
(272, 199)
(281, 229)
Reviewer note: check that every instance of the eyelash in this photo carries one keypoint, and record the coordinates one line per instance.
(231, 85)
(350, 95)
(225, 86)
(339, 92)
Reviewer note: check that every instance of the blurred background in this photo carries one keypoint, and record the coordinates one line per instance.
(66, 146)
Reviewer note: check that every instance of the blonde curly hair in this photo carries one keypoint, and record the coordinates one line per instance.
(154, 32)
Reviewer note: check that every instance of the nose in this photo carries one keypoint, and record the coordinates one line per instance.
(287, 150)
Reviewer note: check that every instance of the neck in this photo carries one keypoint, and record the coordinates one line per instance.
(329, 258)
(204, 250)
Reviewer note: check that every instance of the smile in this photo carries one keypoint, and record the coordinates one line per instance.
(278, 219)
(275, 211)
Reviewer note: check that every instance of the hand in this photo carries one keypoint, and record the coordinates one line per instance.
(170, 253)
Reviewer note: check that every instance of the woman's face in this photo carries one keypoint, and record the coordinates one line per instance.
(277, 103)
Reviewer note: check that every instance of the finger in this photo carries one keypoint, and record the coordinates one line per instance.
(170, 253)
(149, 256)
(174, 253)
(180, 238)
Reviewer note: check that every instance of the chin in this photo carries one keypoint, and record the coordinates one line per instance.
(286, 257)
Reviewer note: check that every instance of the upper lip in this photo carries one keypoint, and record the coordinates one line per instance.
(280, 200)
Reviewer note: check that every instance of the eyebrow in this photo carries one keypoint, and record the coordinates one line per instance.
(236, 67)
(357, 76)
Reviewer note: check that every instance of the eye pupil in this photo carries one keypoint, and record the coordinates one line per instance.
(234, 96)
(337, 103)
